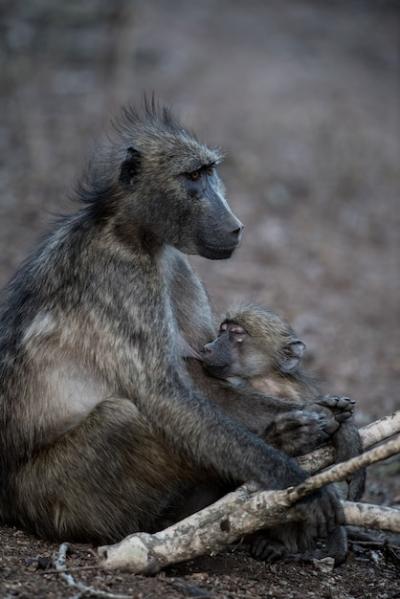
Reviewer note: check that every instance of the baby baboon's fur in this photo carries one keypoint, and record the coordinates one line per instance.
(256, 349)
(261, 350)
(99, 420)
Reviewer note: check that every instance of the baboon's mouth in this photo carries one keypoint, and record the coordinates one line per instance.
(219, 372)
(215, 252)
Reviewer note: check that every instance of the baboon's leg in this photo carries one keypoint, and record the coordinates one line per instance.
(193, 497)
(103, 480)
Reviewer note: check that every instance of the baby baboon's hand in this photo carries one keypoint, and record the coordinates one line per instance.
(342, 407)
(300, 431)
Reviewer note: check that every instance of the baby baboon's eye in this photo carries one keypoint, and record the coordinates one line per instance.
(194, 175)
(237, 330)
(238, 334)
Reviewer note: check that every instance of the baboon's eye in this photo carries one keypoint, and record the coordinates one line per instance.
(210, 170)
(237, 330)
(194, 175)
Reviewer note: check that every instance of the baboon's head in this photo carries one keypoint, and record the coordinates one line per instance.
(169, 186)
(253, 341)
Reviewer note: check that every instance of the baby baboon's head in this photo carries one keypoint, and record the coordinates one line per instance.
(253, 341)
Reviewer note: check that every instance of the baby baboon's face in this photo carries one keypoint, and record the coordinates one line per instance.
(234, 353)
(257, 351)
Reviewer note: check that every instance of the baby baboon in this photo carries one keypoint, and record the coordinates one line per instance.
(256, 349)
(99, 420)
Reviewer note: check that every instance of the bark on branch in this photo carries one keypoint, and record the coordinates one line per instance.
(367, 515)
(245, 511)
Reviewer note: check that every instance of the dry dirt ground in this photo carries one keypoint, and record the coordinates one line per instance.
(303, 96)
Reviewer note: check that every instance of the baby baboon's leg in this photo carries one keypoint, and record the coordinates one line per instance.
(101, 481)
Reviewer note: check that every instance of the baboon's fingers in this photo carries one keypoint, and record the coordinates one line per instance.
(266, 549)
(338, 403)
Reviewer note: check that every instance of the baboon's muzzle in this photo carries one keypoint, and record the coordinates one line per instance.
(222, 230)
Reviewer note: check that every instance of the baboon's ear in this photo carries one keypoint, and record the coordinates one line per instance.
(291, 355)
(130, 166)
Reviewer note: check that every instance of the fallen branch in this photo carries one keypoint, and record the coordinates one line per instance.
(370, 435)
(239, 513)
(368, 515)
(84, 590)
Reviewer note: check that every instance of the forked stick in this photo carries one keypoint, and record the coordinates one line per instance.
(244, 511)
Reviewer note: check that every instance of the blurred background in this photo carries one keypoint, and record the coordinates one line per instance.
(303, 97)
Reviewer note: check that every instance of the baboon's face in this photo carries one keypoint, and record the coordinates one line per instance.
(238, 353)
(183, 200)
(235, 353)
(211, 229)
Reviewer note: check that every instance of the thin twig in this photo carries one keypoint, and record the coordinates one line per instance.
(71, 569)
(59, 562)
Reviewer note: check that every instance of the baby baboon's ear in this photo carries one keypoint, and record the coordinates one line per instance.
(291, 355)
(130, 166)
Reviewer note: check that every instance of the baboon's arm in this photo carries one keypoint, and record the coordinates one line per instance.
(211, 438)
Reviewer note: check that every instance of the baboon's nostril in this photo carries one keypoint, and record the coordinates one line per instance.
(237, 233)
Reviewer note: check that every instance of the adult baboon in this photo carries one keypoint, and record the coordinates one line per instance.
(99, 420)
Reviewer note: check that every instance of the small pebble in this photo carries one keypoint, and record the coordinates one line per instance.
(324, 565)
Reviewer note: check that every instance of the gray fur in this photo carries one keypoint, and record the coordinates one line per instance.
(269, 356)
(259, 349)
(100, 423)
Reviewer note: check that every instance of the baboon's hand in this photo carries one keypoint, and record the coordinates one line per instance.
(300, 431)
(342, 407)
(319, 514)
(264, 546)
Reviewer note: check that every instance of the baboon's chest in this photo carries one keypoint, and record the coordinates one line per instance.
(70, 394)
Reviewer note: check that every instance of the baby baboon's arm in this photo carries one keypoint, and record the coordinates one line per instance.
(300, 431)
(290, 426)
